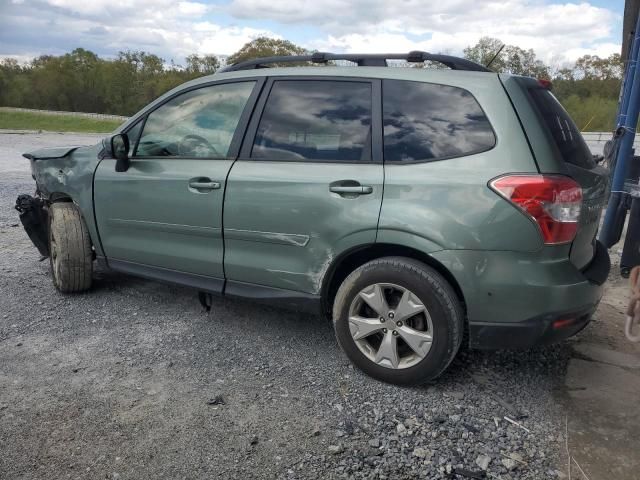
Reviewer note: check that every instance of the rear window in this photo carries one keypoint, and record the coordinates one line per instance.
(427, 121)
(565, 134)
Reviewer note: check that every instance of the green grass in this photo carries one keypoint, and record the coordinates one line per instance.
(54, 123)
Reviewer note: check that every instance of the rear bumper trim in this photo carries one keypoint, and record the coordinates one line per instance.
(542, 330)
(598, 270)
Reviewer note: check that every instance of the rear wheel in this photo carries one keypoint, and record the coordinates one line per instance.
(71, 257)
(398, 320)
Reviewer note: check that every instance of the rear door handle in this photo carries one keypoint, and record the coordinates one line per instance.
(358, 190)
(203, 184)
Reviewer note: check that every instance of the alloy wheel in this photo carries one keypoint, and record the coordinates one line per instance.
(390, 325)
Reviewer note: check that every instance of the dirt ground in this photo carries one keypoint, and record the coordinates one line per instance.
(602, 390)
(133, 380)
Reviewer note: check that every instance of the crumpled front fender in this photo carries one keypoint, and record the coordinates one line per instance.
(67, 173)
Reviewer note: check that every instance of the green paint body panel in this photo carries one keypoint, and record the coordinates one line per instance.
(513, 286)
(291, 198)
(149, 215)
(276, 224)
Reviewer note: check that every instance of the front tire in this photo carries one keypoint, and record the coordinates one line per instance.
(70, 254)
(398, 320)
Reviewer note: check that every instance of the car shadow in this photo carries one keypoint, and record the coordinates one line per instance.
(491, 370)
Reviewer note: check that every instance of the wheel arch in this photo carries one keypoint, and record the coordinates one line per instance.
(59, 197)
(63, 197)
(353, 258)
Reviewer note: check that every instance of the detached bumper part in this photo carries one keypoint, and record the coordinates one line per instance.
(35, 220)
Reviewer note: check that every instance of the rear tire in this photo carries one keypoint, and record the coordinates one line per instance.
(71, 257)
(412, 335)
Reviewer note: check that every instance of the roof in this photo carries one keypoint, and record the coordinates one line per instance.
(451, 77)
(631, 10)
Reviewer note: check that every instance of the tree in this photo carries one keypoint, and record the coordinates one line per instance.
(265, 47)
(512, 59)
(483, 51)
(594, 67)
(82, 81)
(205, 65)
(524, 62)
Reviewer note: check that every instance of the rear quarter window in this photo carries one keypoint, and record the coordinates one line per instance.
(426, 121)
(563, 130)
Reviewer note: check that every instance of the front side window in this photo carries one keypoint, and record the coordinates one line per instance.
(427, 121)
(315, 120)
(198, 123)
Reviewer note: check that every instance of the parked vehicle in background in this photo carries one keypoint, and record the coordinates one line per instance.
(409, 205)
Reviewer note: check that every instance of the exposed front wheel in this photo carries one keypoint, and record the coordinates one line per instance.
(70, 251)
(398, 320)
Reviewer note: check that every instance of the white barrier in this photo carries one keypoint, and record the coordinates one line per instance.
(101, 116)
(596, 141)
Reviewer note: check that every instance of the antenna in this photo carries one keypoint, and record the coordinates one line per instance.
(495, 56)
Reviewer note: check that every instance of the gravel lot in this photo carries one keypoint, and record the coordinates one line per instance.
(134, 380)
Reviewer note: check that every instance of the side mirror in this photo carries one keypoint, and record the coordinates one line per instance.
(120, 151)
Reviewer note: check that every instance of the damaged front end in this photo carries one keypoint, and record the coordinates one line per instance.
(62, 174)
(49, 168)
(34, 216)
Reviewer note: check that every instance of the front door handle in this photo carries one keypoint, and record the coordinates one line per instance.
(203, 184)
(351, 189)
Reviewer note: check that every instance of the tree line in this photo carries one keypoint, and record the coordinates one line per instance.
(81, 81)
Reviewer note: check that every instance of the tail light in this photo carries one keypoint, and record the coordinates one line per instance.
(545, 83)
(552, 201)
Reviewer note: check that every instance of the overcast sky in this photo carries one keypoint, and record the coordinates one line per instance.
(557, 30)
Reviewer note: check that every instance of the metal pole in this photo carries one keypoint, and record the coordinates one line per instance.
(629, 75)
(628, 120)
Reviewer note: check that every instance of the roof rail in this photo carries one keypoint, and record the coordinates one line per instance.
(361, 59)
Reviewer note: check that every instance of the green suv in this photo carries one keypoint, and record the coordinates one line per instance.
(414, 207)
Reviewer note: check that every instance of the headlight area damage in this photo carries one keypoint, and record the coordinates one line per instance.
(34, 216)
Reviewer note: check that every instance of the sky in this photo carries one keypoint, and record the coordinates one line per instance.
(558, 31)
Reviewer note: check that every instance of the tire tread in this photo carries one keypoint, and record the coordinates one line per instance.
(73, 249)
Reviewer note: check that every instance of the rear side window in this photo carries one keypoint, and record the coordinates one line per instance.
(315, 120)
(426, 121)
(565, 134)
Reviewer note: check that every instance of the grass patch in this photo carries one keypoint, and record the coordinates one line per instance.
(54, 123)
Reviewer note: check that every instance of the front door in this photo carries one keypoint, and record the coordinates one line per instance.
(163, 216)
(307, 185)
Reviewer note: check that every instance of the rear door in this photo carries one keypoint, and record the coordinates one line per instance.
(307, 185)
(559, 147)
(163, 216)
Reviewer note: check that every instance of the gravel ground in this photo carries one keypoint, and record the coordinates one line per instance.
(134, 380)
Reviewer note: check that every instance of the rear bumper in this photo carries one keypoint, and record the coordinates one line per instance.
(517, 300)
(544, 330)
